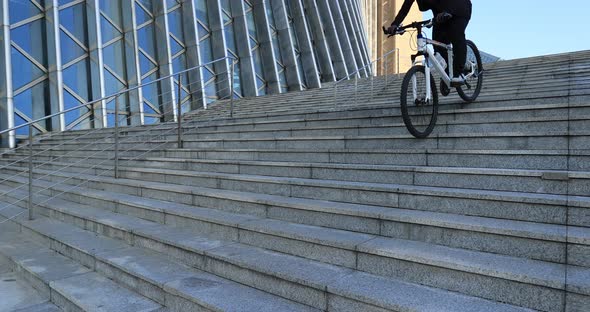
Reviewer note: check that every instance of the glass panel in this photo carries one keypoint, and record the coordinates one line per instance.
(145, 64)
(205, 49)
(62, 2)
(111, 8)
(147, 109)
(251, 24)
(225, 5)
(175, 47)
(74, 20)
(18, 120)
(211, 89)
(185, 107)
(111, 120)
(201, 11)
(70, 50)
(203, 32)
(257, 62)
(150, 92)
(23, 70)
(179, 64)
(21, 9)
(76, 77)
(109, 32)
(269, 13)
(207, 75)
(141, 16)
(150, 120)
(113, 56)
(112, 84)
(171, 3)
(147, 4)
(276, 47)
(237, 80)
(282, 77)
(69, 102)
(29, 37)
(145, 40)
(175, 24)
(230, 38)
(24, 101)
(226, 18)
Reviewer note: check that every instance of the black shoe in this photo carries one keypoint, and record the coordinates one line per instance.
(444, 89)
(458, 81)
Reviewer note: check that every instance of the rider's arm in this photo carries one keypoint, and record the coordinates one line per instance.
(403, 12)
(423, 5)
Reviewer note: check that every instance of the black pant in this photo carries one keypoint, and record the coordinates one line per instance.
(453, 32)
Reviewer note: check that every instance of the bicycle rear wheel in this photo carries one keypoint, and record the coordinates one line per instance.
(418, 114)
(471, 91)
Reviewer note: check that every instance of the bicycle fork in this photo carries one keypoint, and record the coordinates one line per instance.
(428, 95)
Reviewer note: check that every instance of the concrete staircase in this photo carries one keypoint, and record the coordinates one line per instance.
(298, 202)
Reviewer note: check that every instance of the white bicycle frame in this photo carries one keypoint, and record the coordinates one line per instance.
(426, 48)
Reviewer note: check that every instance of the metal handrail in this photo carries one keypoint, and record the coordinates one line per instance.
(371, 65)
(13, 204)
(96, 130)
(356, 75)
(178, 116)
(108, 97)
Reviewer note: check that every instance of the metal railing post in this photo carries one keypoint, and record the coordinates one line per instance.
(335, 94)
(397, 56)
(386, 67)
(231, 89)
(30, 172)
(356, 88)
(116, 169)
(179, 111)
(371, 74)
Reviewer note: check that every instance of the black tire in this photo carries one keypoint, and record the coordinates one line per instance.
(418, 115)
(469, 94)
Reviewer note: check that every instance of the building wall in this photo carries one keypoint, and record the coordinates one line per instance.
(58, 54)
(380, 13)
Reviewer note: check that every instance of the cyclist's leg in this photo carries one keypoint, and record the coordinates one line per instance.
(440, 33)
(457, 28)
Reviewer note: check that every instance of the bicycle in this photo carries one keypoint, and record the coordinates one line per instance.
(419, 97)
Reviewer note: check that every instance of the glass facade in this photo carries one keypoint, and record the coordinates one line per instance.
(59, 54)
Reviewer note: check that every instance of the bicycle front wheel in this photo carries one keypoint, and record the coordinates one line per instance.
(470, 92)
(419, 111)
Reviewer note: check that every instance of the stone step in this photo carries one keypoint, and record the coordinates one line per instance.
(70, 285)
(18, 295)
(573, 140)
(523, 239)
(227, 258)
(443, 112)
(219, 172)
(43, 307)
(369, 126)
(497, 204)
(551, 120)
(152, 274)
(500, 159)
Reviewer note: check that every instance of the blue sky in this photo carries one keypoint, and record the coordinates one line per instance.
(521, 28)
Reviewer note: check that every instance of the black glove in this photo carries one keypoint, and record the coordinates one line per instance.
(391, 30)
(443, 17)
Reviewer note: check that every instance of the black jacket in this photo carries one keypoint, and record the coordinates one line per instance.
(459, 8)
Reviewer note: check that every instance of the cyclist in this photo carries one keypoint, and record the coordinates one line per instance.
(451, 18)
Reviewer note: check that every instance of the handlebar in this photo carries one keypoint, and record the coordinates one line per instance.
(402, 29)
